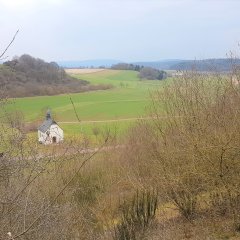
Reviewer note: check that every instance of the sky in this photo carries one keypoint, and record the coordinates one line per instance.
(126, 30)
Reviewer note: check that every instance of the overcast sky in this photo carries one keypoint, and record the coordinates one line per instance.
(128, 30)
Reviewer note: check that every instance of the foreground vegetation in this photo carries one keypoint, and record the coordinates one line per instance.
(173, 178)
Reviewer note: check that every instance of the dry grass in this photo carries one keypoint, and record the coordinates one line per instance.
(83, 70)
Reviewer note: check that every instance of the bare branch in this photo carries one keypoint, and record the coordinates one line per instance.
(74, 109)
(2, 55)
(59, 194)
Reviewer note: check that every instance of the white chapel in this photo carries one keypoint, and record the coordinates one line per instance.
(49, 132)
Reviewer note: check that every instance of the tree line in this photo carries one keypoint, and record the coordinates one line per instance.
(148, 73)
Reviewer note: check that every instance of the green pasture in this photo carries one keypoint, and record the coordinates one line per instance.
(129, 98)
(98, 130)
(118, 78)
(97, 105)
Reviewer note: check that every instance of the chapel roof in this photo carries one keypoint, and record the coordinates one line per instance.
(48, 122)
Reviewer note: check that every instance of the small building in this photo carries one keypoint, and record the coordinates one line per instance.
(49, 132)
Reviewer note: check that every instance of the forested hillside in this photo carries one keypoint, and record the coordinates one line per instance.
(205, 65)
(29, 76)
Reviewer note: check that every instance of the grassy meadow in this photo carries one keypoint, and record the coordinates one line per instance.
(126, 101)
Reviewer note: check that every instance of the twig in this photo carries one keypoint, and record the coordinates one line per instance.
(25, 210)
(74, 109)
(9, 44)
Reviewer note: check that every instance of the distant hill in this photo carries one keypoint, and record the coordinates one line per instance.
(88, 63)
(224, 65)
(162, 64)
(28, 76)
(218, 64)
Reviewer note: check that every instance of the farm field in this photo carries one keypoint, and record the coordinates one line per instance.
(83, 70)
(127, 100)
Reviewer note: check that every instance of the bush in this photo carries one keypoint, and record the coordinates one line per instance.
(152, 74)
(87, 188)
(136, 215)
(227, 203)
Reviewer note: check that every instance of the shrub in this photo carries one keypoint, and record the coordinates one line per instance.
(152, 74)
(227, 203)
(136, 215)
(185, 201)
(87, 187)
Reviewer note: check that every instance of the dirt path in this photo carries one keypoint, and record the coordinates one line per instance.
(72, 152)
(118, 120)
(108, 121)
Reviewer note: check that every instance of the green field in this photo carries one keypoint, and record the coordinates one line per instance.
(129, 98)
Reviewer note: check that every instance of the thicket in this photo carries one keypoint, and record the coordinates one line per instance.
(144, 72)
(151, 74)
(190, 150)
(126, 66)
